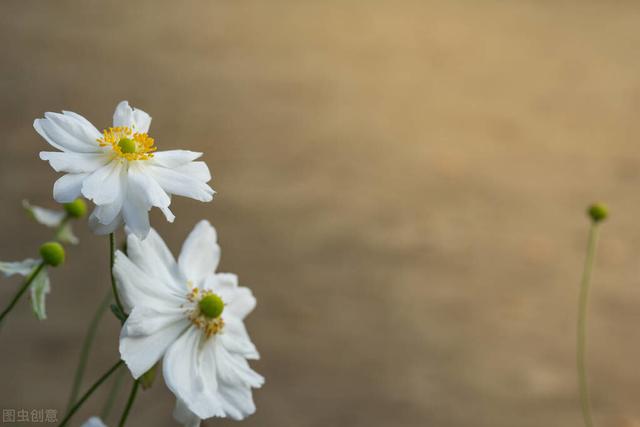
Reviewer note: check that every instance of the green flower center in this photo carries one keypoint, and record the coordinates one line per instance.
(127, 145)
(211, 306)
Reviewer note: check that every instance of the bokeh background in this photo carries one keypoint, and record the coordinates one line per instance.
(401, 183)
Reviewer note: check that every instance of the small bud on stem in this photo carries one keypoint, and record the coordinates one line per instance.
(76, 209)
(52, 253)
(598, 212)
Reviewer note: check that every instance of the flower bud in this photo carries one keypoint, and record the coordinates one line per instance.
(211, 306)
(598, 212)
(52, 253)
(76, 209)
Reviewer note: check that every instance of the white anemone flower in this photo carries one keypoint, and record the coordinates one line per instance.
(119, 169)
(192, 317)
(94, 422)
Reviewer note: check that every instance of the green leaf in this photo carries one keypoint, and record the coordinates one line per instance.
(118, 313)
(47, 217)
(23, 268)
(40, 287)
(65, 235)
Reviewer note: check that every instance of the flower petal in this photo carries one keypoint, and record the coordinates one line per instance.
(184, 416)
(149, 189)
(135, 211)
(147, 334)
(200, 252)
(234, 369)
(136, 288)
(94, 422)
(106, 184)
(236, 338)
(197, 170)
(100, 228)
(237, 401)
(153, 257)
(68, 132)
(184, 376)
(74, 162)
(133, 118)
(181, 184)
(242, 304)
(106, 214)
(174, 158)
(68, 187)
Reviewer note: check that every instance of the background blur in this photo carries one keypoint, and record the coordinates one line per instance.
(401, 183)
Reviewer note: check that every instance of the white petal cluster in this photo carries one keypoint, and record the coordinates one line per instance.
(119, 169)
(204, 359)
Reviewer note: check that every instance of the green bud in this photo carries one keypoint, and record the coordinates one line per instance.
(211, 306)
(598, 212)
(147, 379)
(76, 209)
(127, 145)
(52, 253)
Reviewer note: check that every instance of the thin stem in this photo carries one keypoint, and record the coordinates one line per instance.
(132, 398)
(85, 396)
(111, 398)
(112, 247)
(86, 347)
(582, 326)
(22, 290)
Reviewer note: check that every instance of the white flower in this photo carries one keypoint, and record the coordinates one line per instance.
(192, 317)
(119, 169)
(94, 422)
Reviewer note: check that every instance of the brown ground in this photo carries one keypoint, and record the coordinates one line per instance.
(402, 183)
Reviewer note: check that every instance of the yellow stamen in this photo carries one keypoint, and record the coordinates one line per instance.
(127, 144)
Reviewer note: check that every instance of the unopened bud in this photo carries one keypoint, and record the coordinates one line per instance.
(598, 212)
(52, 253)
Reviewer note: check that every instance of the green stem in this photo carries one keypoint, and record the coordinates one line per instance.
(112, 247)
(86, 347)
(111, 398)
(22, 290)
(582, 326)
(85, 396)
(132, 398)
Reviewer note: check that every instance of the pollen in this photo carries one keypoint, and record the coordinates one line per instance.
(128, 144)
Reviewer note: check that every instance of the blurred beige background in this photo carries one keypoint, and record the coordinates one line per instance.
(402, 184)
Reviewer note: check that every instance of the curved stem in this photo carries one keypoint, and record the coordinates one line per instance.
(85, 396)
(582, 326)
(111, 397)
(112, 248)
(22, 290)
(86, 347)
(132, 398)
